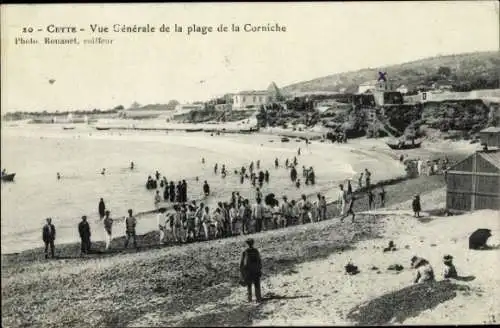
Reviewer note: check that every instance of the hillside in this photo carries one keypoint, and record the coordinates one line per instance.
(478, 69)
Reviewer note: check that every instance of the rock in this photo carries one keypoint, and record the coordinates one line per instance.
(395, 267)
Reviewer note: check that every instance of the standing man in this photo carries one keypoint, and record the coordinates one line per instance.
(342, 199)
(130, 224)
(258, 215)
(108, 224)
(84, 230)
(49, 236)
(102, 209)
(161, 223)
(350, 209)
(157, 199)
(251, 270)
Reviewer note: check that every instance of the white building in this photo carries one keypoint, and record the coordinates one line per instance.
(402, 89)
(255, 98)
(250, 99)
(375, 85)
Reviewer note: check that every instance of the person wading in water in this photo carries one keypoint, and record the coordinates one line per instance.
(251, 270)
(102, 209)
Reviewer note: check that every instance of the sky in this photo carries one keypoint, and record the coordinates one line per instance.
(320, 39)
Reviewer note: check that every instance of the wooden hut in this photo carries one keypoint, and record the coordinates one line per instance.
(474, 183)
(490, 136)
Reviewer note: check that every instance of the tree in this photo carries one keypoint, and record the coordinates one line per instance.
(172, 104)
(135, 105)
(444, 71)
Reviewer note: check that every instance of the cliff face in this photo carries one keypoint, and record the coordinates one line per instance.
(466, 117)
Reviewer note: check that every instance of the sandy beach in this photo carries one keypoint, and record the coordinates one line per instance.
(304, 282)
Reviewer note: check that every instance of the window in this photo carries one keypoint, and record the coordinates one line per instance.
(244, 99)
(254, 98)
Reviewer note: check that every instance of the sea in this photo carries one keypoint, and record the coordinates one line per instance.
(37, 152)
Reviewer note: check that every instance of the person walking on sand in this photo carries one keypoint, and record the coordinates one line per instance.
(416, 206)
(84, 231)
(360, 181)
(101, 209)
(276, 163)
(157, 199)
(49, 236)
(371, 198)
(382, 196)
(342, 199)
(130, 226)
(108, 223)
(350, 209)
(349, 187)
(251, 270)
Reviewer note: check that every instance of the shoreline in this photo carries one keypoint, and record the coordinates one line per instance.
(177, 278)
(150, 238)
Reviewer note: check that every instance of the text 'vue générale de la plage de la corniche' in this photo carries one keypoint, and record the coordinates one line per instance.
(102, 33)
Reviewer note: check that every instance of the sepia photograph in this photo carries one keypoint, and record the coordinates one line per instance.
(250, 164)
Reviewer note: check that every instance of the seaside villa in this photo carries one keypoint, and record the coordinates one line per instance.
(254, 99)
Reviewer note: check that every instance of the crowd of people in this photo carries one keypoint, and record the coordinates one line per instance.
(181, 220)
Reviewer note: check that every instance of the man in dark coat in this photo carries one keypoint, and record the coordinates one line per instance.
(84, 230)
(48, 236)
(102, 208)
(251, 270)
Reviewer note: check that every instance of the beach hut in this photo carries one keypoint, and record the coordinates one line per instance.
(490, 136)
(474, 183)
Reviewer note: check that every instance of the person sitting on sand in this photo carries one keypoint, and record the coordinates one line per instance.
(416, 206)
(390, 248)
(449, 272)
(297, 184)
(251, 270)
(424, 271)
(58, 176)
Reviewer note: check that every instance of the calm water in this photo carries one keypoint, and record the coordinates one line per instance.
(37, 152)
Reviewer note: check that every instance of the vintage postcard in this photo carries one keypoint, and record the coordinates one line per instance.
(250, 164)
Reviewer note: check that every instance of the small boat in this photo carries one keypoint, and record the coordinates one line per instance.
(101, 128)
(404, 145)
(193, 130)
(285, 139)
(8, 177)
(68, 127)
